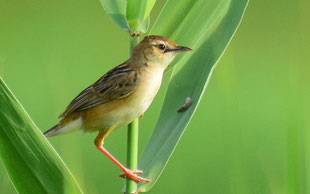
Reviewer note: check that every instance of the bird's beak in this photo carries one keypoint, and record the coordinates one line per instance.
(178, 49)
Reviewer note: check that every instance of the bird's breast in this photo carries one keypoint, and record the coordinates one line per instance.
(123, 111)
(140, 100)
(147, 89)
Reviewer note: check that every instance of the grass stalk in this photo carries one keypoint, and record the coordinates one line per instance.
(132, 153)
(132, 142)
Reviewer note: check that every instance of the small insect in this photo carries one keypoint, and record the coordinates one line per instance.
(186, 105)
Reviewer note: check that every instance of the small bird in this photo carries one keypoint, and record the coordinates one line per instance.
(121, 95)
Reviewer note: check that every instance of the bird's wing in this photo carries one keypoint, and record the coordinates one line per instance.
(118, 83)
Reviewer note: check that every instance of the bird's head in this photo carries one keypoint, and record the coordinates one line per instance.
(157, 50)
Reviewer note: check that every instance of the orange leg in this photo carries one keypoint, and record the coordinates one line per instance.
(141, 116)
(127, 172)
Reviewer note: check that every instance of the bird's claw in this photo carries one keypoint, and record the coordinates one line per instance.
(132, 174)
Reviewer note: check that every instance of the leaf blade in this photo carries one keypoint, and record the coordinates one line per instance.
(31, 162)
(116, 9)
(171, 125)
(137, 14)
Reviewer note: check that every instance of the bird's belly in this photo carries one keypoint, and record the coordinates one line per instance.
(137, 103)
(121, 112)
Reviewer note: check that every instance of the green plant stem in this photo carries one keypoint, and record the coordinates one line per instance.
(132, 153)
(132, 143)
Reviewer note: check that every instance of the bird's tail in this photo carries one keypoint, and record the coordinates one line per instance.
(51, 131)
(62, 128)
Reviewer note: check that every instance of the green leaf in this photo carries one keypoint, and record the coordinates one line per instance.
(137, 14)
(31, 162)
(207, 27)
(116, 9)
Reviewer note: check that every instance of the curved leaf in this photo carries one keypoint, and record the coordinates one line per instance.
(207, 27)
(137, 14)
(31, 162)
(116, 9)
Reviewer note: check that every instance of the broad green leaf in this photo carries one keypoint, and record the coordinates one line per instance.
(137, 14)
(207, 26)
(30, 160)
(116, 9)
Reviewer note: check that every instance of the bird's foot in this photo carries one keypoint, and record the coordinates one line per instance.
(132, 174)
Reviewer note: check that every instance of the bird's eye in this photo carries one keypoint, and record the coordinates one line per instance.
(161, 46)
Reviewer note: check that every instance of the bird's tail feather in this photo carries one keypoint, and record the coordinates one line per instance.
(51, 131)
(62, 128)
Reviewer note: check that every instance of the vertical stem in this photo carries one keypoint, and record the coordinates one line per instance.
(132, 143)
(132, 153)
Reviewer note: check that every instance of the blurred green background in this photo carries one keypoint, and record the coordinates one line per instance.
(250, 133)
